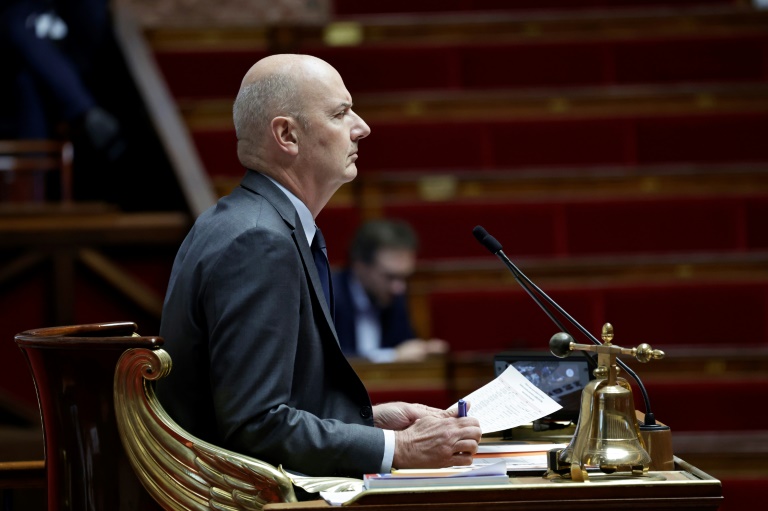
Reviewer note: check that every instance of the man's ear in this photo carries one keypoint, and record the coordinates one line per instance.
(285, 134)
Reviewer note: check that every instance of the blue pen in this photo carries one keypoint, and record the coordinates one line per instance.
(462, 408)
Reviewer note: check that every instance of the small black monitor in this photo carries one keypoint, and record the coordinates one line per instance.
(561, 379)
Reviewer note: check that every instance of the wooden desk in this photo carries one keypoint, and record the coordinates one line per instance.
(685, 488)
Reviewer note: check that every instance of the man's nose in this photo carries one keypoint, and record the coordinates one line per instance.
(361, 129)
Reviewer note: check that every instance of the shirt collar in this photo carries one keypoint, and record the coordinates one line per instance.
(304, 214)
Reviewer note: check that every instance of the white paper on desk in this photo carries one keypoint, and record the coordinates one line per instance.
(516, 448)
(508, 401)
(339, 498)
(516, 463)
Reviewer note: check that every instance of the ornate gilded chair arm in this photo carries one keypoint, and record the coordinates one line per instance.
(177, 469)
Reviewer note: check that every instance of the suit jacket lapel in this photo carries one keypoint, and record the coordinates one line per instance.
(259, 184)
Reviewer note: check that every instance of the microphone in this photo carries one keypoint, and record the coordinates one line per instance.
(564, 338)
(486, 240)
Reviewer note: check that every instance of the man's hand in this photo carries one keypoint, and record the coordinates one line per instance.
(416, 350)
(437, 441)
(398, 415)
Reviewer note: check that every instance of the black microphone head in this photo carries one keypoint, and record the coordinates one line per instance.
(560, 344)
(480, 233)
(486, 239)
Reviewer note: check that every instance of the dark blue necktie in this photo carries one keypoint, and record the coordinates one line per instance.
(320, 255)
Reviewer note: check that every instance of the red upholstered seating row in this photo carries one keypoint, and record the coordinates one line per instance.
(562, 228)
(550, 63)
(356, 7)
(520, 64)
(670, 313)
(730, 404)
(554, 142)
(548, 143)
(573, 227)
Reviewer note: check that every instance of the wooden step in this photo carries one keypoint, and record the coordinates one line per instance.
(371, 189)
(352, 8)
(517, 25)
(555, 103)
(53, 227)
(471, 27)
(480, 66)
(487, 271)
(578, 102)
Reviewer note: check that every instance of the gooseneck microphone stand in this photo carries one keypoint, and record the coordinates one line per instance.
(537, 295)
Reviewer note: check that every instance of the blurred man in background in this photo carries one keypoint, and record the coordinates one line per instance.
(371, 317)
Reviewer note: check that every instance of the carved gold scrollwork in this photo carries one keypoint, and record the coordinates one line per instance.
(182, 472)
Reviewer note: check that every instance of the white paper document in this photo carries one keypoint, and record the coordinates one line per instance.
(518, 457)
(339, 498)
(517, 447)
(492, 468)
(509, 401)
(533, 462)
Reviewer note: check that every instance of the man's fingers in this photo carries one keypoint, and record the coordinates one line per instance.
(461, 458)
(468, 447)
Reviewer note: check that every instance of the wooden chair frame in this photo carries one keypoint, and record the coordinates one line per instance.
(35, 158)
(109, 444)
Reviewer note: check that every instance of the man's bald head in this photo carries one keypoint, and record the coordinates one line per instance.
(274, 87)
(269, 89)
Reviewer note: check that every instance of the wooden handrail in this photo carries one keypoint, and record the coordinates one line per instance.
(174, 136)
(22, 474)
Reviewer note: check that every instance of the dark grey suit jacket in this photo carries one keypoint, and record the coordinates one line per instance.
(256, 363)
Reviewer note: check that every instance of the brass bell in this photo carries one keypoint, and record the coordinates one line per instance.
(607, 435)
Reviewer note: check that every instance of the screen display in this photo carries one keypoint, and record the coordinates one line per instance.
(561, 379)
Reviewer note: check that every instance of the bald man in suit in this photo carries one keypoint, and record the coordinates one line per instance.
(257, 366)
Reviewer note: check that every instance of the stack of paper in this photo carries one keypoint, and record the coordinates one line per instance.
(519, 457)
(495, 473)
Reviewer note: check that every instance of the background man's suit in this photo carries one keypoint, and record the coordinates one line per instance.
(394, 320)
(261, 371)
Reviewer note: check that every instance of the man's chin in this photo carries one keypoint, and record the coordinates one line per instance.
(350, 173)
